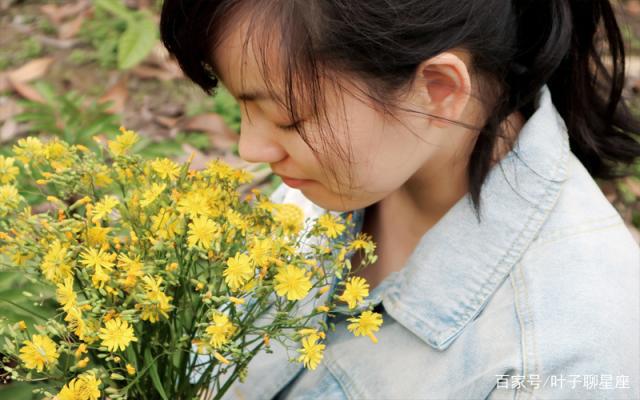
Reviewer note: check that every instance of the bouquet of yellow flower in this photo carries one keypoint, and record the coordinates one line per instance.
(154, 266)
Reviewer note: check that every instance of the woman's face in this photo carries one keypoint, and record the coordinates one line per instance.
(387, 155)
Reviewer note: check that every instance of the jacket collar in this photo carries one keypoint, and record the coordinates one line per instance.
(460, 262)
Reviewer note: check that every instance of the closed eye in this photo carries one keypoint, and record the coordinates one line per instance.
(291, 127)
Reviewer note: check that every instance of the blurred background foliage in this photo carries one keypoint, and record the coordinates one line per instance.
(79, 69)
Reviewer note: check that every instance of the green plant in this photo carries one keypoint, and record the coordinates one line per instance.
(18, 52)
(75, 119)
(68, 116)
(121, 37)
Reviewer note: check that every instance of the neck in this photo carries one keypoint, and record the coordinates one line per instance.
(427, 196)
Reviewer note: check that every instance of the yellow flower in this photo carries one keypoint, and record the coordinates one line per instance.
(218, 169)
(57, 151)
(220, 331)
(133, 267)
(117, 334)
(202, 231)
(97, 259)
(103, 208)
(82, 349)
(9, 198)
(76, 324)
(84, 387)
(366, 324)
(99, 278)
(290, 216)
(194, 203)
(97, 235)
(131, 370)
(152, 312)
(101, 176)
(261, 251)
(355, 291)
(65, 294)
(22, 325)
(166, 224)
(236, 300)
(8, 171)
(123, 142)
(82, 363)
(172, 267)
(39, 353)
(331, 225)
(292, 282)
(160, 302)
(55, 265)
(221, 358)
(237, 221)
(239, 270)
(363, 241)
(151, 194)
(312, 351)
(166, 169)
(29, 149)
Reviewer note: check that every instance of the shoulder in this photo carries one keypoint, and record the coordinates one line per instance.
(577, 296)
(581, 209)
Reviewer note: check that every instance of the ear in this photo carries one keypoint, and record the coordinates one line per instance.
(445, 85)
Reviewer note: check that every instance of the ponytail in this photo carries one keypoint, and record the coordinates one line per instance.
(566, 56)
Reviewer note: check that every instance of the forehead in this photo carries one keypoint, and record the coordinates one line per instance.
(244, 58)
(249, 62)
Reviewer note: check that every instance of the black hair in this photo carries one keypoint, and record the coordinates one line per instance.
(517, 46)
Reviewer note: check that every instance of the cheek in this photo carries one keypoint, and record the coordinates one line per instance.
(387, 155)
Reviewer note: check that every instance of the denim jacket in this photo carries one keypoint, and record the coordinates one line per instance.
(537, 300)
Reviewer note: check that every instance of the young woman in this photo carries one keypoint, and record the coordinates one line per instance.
(465, 135)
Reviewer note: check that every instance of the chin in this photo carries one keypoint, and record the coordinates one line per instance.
(332, 204)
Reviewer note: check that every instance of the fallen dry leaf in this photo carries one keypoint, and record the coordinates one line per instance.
(8, 131)
(167, 122)
(27, 91)
(8, 108)
(30, 71)
(117, 94)
(145, 72)
(71, 28)
(58, 13)
(220, 135)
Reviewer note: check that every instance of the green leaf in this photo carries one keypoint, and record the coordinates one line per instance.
(114, 7)
(136, 42)
(131, 357)
(153, 372)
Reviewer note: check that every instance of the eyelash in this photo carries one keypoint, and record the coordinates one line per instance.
(291, 127)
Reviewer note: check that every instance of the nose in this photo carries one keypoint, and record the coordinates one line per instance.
(258, 143)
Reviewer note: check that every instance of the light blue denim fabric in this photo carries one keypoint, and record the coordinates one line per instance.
(538, 300)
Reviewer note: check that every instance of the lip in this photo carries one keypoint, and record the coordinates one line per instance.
(292, 182)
